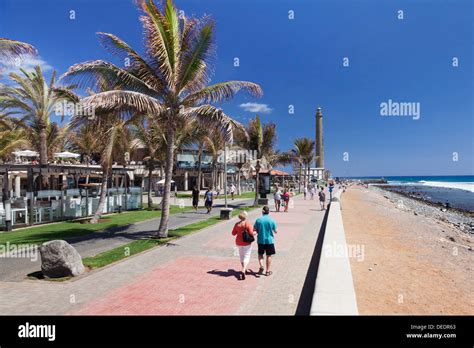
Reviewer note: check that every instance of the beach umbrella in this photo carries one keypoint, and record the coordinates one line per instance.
(66, 154)
(26, 153)
(162, 181)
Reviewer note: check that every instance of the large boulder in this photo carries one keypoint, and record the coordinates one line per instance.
(59, 259)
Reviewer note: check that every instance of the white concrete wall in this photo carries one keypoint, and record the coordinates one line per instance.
(334, 290)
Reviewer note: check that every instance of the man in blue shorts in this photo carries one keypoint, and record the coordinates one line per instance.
(265, 227)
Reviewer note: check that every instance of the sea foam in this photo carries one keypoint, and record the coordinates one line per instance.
(467, 186)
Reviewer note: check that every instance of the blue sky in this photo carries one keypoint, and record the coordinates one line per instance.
(299, 62)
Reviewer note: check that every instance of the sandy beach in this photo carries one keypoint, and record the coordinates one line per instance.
(412, 263)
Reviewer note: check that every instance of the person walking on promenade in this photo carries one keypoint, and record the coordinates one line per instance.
(218, 191)
(209, 197)
(265, 227)
(232, 191)
(244, 236)
(286, 200)
(277, 199)
(305, 192)
(195, 195)
(322, 198)
(313, 192)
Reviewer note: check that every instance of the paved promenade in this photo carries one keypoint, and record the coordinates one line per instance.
(193, 275)
(16, 269)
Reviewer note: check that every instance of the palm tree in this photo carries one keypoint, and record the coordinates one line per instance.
(214, 145)
(303, 154)
(199, 136)
(11, 137)
(262, 139)
(32, 101)
(55, 136)
(169, 82)
(152, 140)
(114, 139)
(85, 141)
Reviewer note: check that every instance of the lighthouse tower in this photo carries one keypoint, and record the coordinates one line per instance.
(319, 155)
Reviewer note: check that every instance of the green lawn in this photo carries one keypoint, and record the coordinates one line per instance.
(113, 255)
(138, 246)
(68, 229)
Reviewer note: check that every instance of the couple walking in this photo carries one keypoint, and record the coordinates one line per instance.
(281, 199)
(264, 228)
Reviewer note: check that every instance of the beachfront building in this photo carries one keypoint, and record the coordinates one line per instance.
(33, 194)
(190, 164)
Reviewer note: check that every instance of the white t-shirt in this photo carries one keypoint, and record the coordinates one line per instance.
(277, 196)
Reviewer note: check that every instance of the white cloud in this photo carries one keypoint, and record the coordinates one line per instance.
(256, 107)
(27, 63)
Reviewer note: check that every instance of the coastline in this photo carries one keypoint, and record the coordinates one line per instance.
(459, 218)
(415, 260)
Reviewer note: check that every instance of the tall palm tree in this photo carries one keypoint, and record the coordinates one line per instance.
(303, 154)
(113, 131)
(85, 141)
(214, 145)
(200, 137)
(169, 82)
(11, 137)
(152, 140)
(262, 139)
(32, 101)
(55, 136)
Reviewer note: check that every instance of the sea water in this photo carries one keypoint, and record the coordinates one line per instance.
(457, 190)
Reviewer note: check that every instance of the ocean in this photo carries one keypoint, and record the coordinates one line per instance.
(456, 190)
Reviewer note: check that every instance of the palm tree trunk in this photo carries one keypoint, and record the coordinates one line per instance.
(165, 212)
(307, 176)
(301, 174)
(43, 153)
(103, 195)
(239, 189)
(150, 174)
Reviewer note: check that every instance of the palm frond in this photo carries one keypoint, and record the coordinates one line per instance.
(159, 41)
(100, 75)
(11, 49)
(122, 100)
(222, 91)
(139, 67)
(214, 119)
(194, 64)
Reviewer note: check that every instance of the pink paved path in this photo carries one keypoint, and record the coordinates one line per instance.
(194, 275)
(203, 285)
